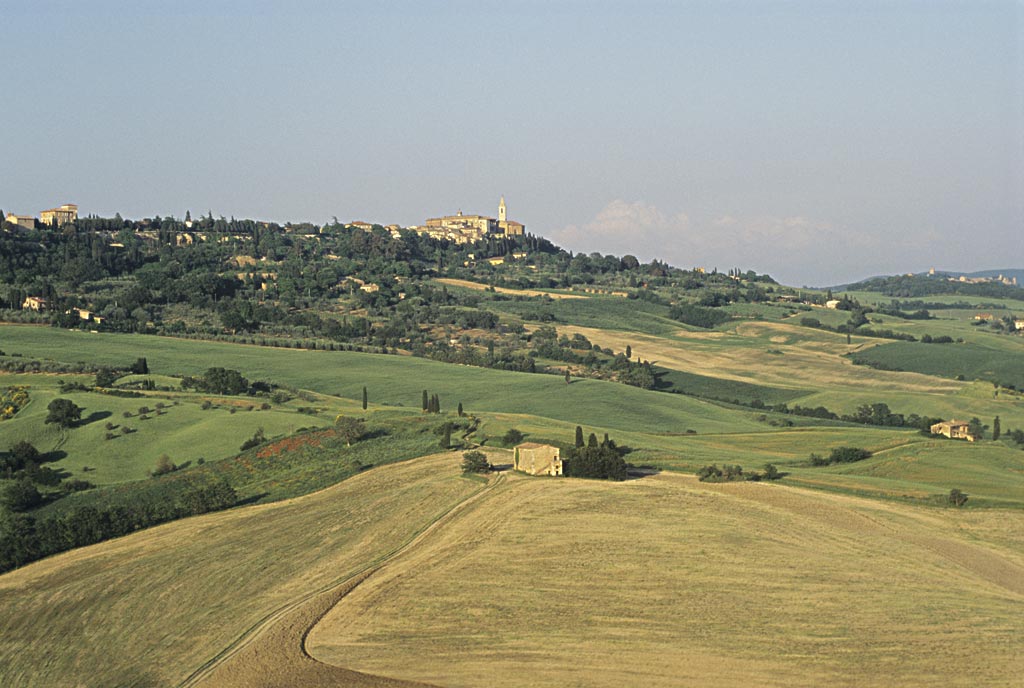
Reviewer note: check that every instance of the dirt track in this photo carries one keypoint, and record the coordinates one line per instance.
(273, 655)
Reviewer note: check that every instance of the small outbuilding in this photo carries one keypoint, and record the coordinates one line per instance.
(537, 459)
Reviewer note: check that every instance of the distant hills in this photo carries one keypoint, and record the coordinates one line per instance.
(1005, 283)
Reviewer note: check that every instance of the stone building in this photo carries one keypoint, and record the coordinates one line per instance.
(953, 429)
(467, 228)
(23, 221)
(56, 217)
(537, 459)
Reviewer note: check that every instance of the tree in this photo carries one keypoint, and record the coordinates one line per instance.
(975, 428)
(996, 430)
(475, 462)
(512, 437)
(140, 367)
(365, 399)
(105, 377)
(21, 495)
(63, 412)
(956, 497)
(567, 378)
(351, 429)
(592, 440)
(426, 402)
(461, 414)
(579, 436)
(22, 452)
(771, 472)
(446, 442)
(629, 352)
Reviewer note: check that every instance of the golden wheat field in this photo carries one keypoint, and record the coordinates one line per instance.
(411, 574)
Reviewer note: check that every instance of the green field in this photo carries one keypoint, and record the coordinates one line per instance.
(972, 361)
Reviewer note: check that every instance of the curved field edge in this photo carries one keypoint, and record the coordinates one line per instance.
(194, 587)
(664, 581)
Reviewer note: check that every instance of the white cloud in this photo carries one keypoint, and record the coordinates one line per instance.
(794, 247)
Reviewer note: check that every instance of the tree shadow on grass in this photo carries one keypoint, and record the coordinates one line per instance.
(93, 417)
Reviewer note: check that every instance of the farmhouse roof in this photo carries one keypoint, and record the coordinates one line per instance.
(531, 445)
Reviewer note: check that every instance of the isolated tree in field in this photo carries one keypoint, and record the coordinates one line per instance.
(63, 412)
(996, 430)
(446, 441)
(629, 352)
(956, 497)
(579, 436)
(351, 429)
(475, 462)
(567, 379)
(426, 402)
(461, 414)
(365, 398)
(771, 472)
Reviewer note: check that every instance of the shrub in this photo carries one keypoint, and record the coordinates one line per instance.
(475, 462)
(956, 498)
(21, 495)
(163, 466)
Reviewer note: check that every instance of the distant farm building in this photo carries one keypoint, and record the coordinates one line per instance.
(23, 221)
(537, 459)
(34, 303)
(954, 429)
(833, 304)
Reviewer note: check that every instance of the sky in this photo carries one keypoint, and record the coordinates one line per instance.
(819, 142)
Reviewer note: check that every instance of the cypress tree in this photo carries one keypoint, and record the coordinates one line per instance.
(437, 404)
(629, 352)
(579, 436)
(425, 403)
(996, 430)
(460, 410)
(364, 398)
(567, 375)
(447, 441)
(592, 441)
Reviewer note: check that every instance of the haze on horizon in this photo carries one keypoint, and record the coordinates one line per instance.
(818, 142)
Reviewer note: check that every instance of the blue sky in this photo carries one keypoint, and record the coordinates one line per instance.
(817, 141)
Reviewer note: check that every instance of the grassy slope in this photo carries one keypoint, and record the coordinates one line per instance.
(184, 431)
(393, 380)
(147, 609)
(971, 360)
(666, 582)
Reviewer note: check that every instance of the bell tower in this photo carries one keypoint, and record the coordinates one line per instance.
(501, 210)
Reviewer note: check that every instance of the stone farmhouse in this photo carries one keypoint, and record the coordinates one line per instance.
(954, 429)
(537, 459)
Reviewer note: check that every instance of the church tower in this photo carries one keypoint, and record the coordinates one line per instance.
(501, 210)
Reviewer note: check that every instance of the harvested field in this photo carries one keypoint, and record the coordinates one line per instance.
(745, 357)
(664, 581)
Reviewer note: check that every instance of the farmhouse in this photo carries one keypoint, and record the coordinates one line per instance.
(833, 304)
(34, 303)
(59, 216)
(537, 459)
(954, 429)
(23, 221)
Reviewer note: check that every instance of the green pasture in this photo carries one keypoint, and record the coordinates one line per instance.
(1002, 362)
(728, 390)
(183, 430)
(393, 380)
